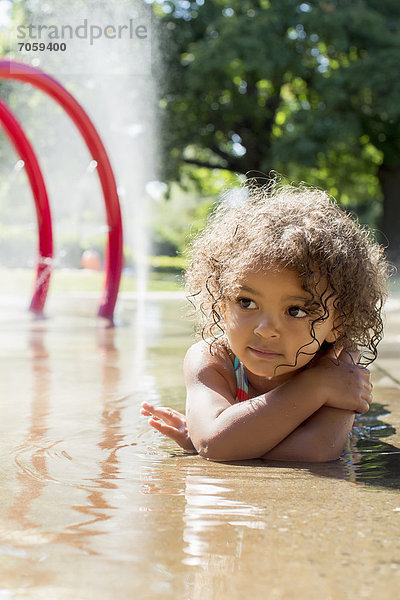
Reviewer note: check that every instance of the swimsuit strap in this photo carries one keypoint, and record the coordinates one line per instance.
(241, 381)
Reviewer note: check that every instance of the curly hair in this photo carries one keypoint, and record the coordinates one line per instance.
(300, 228)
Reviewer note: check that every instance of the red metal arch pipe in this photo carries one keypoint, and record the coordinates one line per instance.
(114, 253)
(24, 149)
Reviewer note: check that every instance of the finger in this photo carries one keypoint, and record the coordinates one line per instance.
(147, 410)
(161, 412)
(171, 432)
(170, 416)
(161, 426)
(367, 388)
(364, 407)
(366, 396)
(365, 372)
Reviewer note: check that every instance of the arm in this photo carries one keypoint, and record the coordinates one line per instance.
(221, 429)
(320, 439)
(324, 435)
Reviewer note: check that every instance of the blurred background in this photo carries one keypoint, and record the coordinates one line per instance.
(224, 89)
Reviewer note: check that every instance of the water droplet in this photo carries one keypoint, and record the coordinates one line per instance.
(92, 166)
(19, 165)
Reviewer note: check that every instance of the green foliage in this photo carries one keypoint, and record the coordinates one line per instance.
(309, 88)
(168, 264)
(264, 71)
(178, 217)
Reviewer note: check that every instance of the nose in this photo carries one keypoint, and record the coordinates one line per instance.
(267, 326)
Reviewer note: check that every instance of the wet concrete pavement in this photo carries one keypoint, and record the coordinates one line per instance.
(94, 505)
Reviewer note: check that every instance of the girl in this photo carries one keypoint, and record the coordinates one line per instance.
(289, 291)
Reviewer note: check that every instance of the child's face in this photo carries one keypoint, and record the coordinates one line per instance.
(269, 320)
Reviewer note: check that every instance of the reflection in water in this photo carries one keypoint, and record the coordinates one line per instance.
(378, 463)
(208, 505)
(368, 459)
(97, 506)
(370, 424)
(42, 460)
(207, 509)
(38, 428)
(374, 461)
(26, 528)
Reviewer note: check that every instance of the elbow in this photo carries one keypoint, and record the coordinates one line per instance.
(317, 453)
(327, 454)
(209, 449)
(323, 449)
(218, 450)
(210, 445)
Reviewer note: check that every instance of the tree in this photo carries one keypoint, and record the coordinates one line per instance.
(287, 85)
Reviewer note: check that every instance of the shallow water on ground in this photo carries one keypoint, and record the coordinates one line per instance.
(95, 505)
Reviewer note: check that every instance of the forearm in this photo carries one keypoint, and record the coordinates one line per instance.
(320, 439)
(252, 428)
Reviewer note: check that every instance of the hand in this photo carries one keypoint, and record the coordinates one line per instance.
(169, 422)
(345, 384)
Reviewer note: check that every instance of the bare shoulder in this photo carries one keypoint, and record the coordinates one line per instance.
(210, 389)
(201, 367)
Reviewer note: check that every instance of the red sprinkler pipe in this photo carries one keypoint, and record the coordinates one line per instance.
(24, 149)
(114, 253)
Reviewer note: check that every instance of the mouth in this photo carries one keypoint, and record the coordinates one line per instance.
(265, 353)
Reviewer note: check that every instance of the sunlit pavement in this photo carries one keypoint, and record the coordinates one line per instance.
(389, 349)
(95, 505)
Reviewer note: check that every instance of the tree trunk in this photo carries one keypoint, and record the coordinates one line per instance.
(389, 178)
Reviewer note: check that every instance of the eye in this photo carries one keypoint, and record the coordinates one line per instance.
(246, 303)
(297, 312)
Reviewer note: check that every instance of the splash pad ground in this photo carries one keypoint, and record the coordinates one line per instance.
(95, 505)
